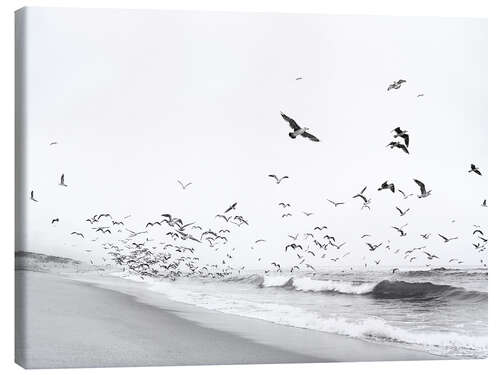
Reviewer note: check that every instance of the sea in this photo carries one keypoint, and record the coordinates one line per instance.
(443, 311)
(440, 311)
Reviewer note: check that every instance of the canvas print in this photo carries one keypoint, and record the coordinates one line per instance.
(198, 188)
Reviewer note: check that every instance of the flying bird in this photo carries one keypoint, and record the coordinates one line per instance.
(401, 212)
(184, 186)
(78, 234)
(484, 204)
(56, 220)
(321, 228)
(278, 179)
(398, 145)
(404, 195)
(423, 192)
(396, 85)
(386, 185)
(474, 169)
(335, 203)
(445, 239)
(226, 218)
(284, 205)
(373, 247)
(402, 134)
(61, 182)
(231, 207)
(32, 196)
(360, 195)
(297, 130)
(402, 233)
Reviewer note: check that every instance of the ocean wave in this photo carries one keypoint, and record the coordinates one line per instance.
(388, 289)
(370, 328)
(445, 271)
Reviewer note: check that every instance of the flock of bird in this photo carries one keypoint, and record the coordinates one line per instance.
(171, 247)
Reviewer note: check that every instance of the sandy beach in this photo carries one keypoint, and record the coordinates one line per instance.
(69, 323)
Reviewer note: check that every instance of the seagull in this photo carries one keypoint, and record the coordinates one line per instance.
(430, 256)
(184, 186)
(335, 203)
(446, 240)
(401, 212)
(404, 195)
(226, 218)
(478, 231)
(293, 237)
(56, 220)
(308, 213)
(398, 145)
(373, 247)
(53, 143)
(338, 246)
(402, 233)
(293, 246)
(261, 240)
(425, 236)
(396, 84)
(32, 196)
(365, 235)
(286, 215)
(297, 130)
(311, 267)
(420, 95)
(231, 207)
(394, 270)
(360, 195)
(278, 179)
(402, 134)
(423, 193)
(61, 182)
(321, 228)
(284, 205)
(386, 185)
(77, 234)
(484, 204)
(298, 78)
(474, 169)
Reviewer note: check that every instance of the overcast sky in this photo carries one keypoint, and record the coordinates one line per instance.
(139, 99)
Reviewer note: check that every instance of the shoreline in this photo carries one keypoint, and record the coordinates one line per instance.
(119, 323)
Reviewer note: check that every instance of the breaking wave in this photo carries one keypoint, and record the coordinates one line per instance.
(384, 289)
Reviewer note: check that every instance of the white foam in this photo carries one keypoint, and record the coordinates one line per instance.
(368, 328)
(270, 281)
(306, 284)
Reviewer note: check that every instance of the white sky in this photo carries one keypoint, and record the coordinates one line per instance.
(139, 99)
